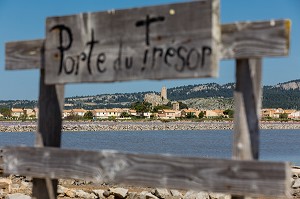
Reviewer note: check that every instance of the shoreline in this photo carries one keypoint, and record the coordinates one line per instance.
(141, 126)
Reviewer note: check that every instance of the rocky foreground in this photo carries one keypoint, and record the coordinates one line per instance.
(141, 126)
(19, 187)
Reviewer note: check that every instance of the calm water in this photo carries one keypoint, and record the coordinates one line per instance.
(276, 145)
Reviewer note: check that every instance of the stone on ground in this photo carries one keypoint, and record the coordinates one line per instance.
(296, 184)
(176, 193)
(83, 194)
(196, 195)
(99, 193)
(17, 196)
(161, 193)
(147, 195)
(219, 196)
(119, 192)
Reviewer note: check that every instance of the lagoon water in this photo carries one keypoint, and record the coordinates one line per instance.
(276, 145)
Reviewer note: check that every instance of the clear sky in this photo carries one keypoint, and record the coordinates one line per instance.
(25, 20)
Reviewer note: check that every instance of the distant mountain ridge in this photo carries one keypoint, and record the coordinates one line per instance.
(213, 96)
(285, 95)
(290, 85)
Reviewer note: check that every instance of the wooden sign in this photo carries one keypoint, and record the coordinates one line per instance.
(161, 42)
(235, 40)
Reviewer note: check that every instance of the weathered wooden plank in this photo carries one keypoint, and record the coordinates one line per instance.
(255, 39)
(23, 54)
(161, 42)
(51, 102)
(247, 98)
(251, 178)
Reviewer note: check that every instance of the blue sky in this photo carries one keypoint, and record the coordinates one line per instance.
(25, 20)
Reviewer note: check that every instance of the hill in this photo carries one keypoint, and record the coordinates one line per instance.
(202, 96)
(285, 95)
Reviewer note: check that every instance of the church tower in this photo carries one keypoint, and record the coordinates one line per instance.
(163, 93)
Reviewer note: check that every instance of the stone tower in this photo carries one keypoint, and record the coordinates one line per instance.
(163, 93)
(175, 106)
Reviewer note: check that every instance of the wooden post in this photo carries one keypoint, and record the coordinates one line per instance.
(247, 98)
(51, 102)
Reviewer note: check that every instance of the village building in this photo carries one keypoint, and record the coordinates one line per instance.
(294, 115)
(289, 111)
(213, 113)
(100, 113)
(17, 112)
(265, 113)
(166, 114)
(147, 115)
(126, 110)
(78, 112)
(186, 112)
(132, 112)
(66, 113)
(115, 112)
(30, 113)
(177, 114)
(278, 112)
(36, 110)
(219, 112)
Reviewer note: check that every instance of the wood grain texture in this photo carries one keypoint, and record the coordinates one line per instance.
(51, 100)
(255, 39)
(251, 178)
(247, 98)
(239, 40)
(171, 41)
(23, 54)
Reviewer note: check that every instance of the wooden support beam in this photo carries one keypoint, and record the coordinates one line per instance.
(247, 98)
(250, 178)
(51, 103)
(23, 54)
(255, 39)
(238, 40)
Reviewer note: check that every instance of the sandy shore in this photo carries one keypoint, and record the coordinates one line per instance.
(141, 126)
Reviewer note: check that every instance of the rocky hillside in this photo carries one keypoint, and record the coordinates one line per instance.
(211, 90)
(120, 100)
(209, 103)
(203, 96)
(291, 85)
(285, 95)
